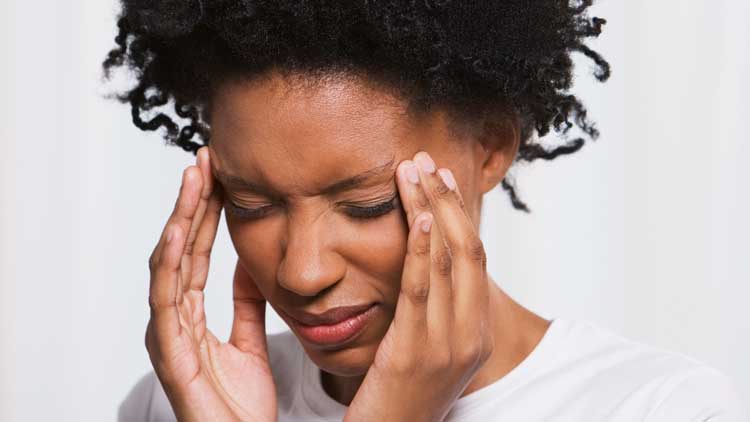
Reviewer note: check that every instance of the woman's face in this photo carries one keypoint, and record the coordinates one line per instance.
(275, 147)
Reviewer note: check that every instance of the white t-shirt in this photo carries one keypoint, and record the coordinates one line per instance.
(578, 372)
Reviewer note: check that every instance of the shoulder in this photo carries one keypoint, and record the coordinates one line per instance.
(701, 393)
(637, 378)
(147, 402)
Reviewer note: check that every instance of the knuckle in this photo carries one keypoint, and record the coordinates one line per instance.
(486, 352)
(442, 191)
(417, 292)
(473, 247)
(188, 248)
(442, 359)
(443, 262)
(421, 202)
(202, 253)
(460, 201)
(152, 262)
(469, 355)
(152, 303)
(157, 305)
(420, 249)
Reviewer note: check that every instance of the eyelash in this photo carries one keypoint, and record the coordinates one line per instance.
(374, 211)
(356, 212)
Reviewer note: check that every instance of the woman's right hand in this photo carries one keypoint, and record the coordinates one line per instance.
(205, 379)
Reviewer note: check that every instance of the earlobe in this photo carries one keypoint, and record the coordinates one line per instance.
(499, 147)
(495, 166)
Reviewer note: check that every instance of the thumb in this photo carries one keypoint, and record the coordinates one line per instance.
(249, 325)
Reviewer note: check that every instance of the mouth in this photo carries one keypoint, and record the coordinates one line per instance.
(334, 327)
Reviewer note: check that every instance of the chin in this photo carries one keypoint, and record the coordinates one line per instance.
(348, 362)
(354, 357)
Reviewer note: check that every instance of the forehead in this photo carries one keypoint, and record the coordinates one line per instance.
(282, 132)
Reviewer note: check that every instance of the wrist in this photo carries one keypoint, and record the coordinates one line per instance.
(393, 409)
(195, 403)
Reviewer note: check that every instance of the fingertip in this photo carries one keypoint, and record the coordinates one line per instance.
(192, 173)
(193, 178)
(202, 159)
(447, 176)
(205, 167)
(202, 156)
(185, 173)
(409, 172)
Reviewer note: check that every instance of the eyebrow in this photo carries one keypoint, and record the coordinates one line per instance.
(339, 186)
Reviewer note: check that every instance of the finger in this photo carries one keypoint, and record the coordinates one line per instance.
(163, 290)
(444, 198)
(410, 319)
(188, 263)
(440, 305)
(249, 325)
(203, 162)
(185, 206)
(206, 233)
(411, 194)
(205, 184)
(470, 290)
(204, 241)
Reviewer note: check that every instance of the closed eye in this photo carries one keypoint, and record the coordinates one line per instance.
(247, 213)
(375, 210)
(354, 211)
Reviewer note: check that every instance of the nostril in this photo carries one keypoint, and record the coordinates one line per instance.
(309, 274)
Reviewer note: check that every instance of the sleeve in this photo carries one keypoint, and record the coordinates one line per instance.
(135, 406)
(146, 402)
(702, 395)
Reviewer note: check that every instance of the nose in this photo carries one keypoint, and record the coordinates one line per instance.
(310, 263)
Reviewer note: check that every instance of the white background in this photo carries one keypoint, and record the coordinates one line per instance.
(645, 231)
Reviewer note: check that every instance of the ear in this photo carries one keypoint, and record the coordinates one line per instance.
(496, 149)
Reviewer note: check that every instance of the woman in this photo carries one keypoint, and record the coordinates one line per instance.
(350, 145)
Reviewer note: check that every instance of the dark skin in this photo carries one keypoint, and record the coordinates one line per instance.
(275, 146)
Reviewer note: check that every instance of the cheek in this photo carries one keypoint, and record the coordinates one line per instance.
(256, 245)
(379, 250)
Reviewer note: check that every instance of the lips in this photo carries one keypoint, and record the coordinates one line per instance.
(333, 327)
(331, 316)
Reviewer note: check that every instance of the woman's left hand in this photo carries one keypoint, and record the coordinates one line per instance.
(440, 334)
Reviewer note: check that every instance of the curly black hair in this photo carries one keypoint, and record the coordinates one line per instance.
(470, 57)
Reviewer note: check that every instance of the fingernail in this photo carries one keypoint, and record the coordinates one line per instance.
(447, 177)
(425, 162)
(170, 234)
(198, 159)
(410, 170)
(426, 223)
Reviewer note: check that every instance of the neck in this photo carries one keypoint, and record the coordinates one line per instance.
(516, 330)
